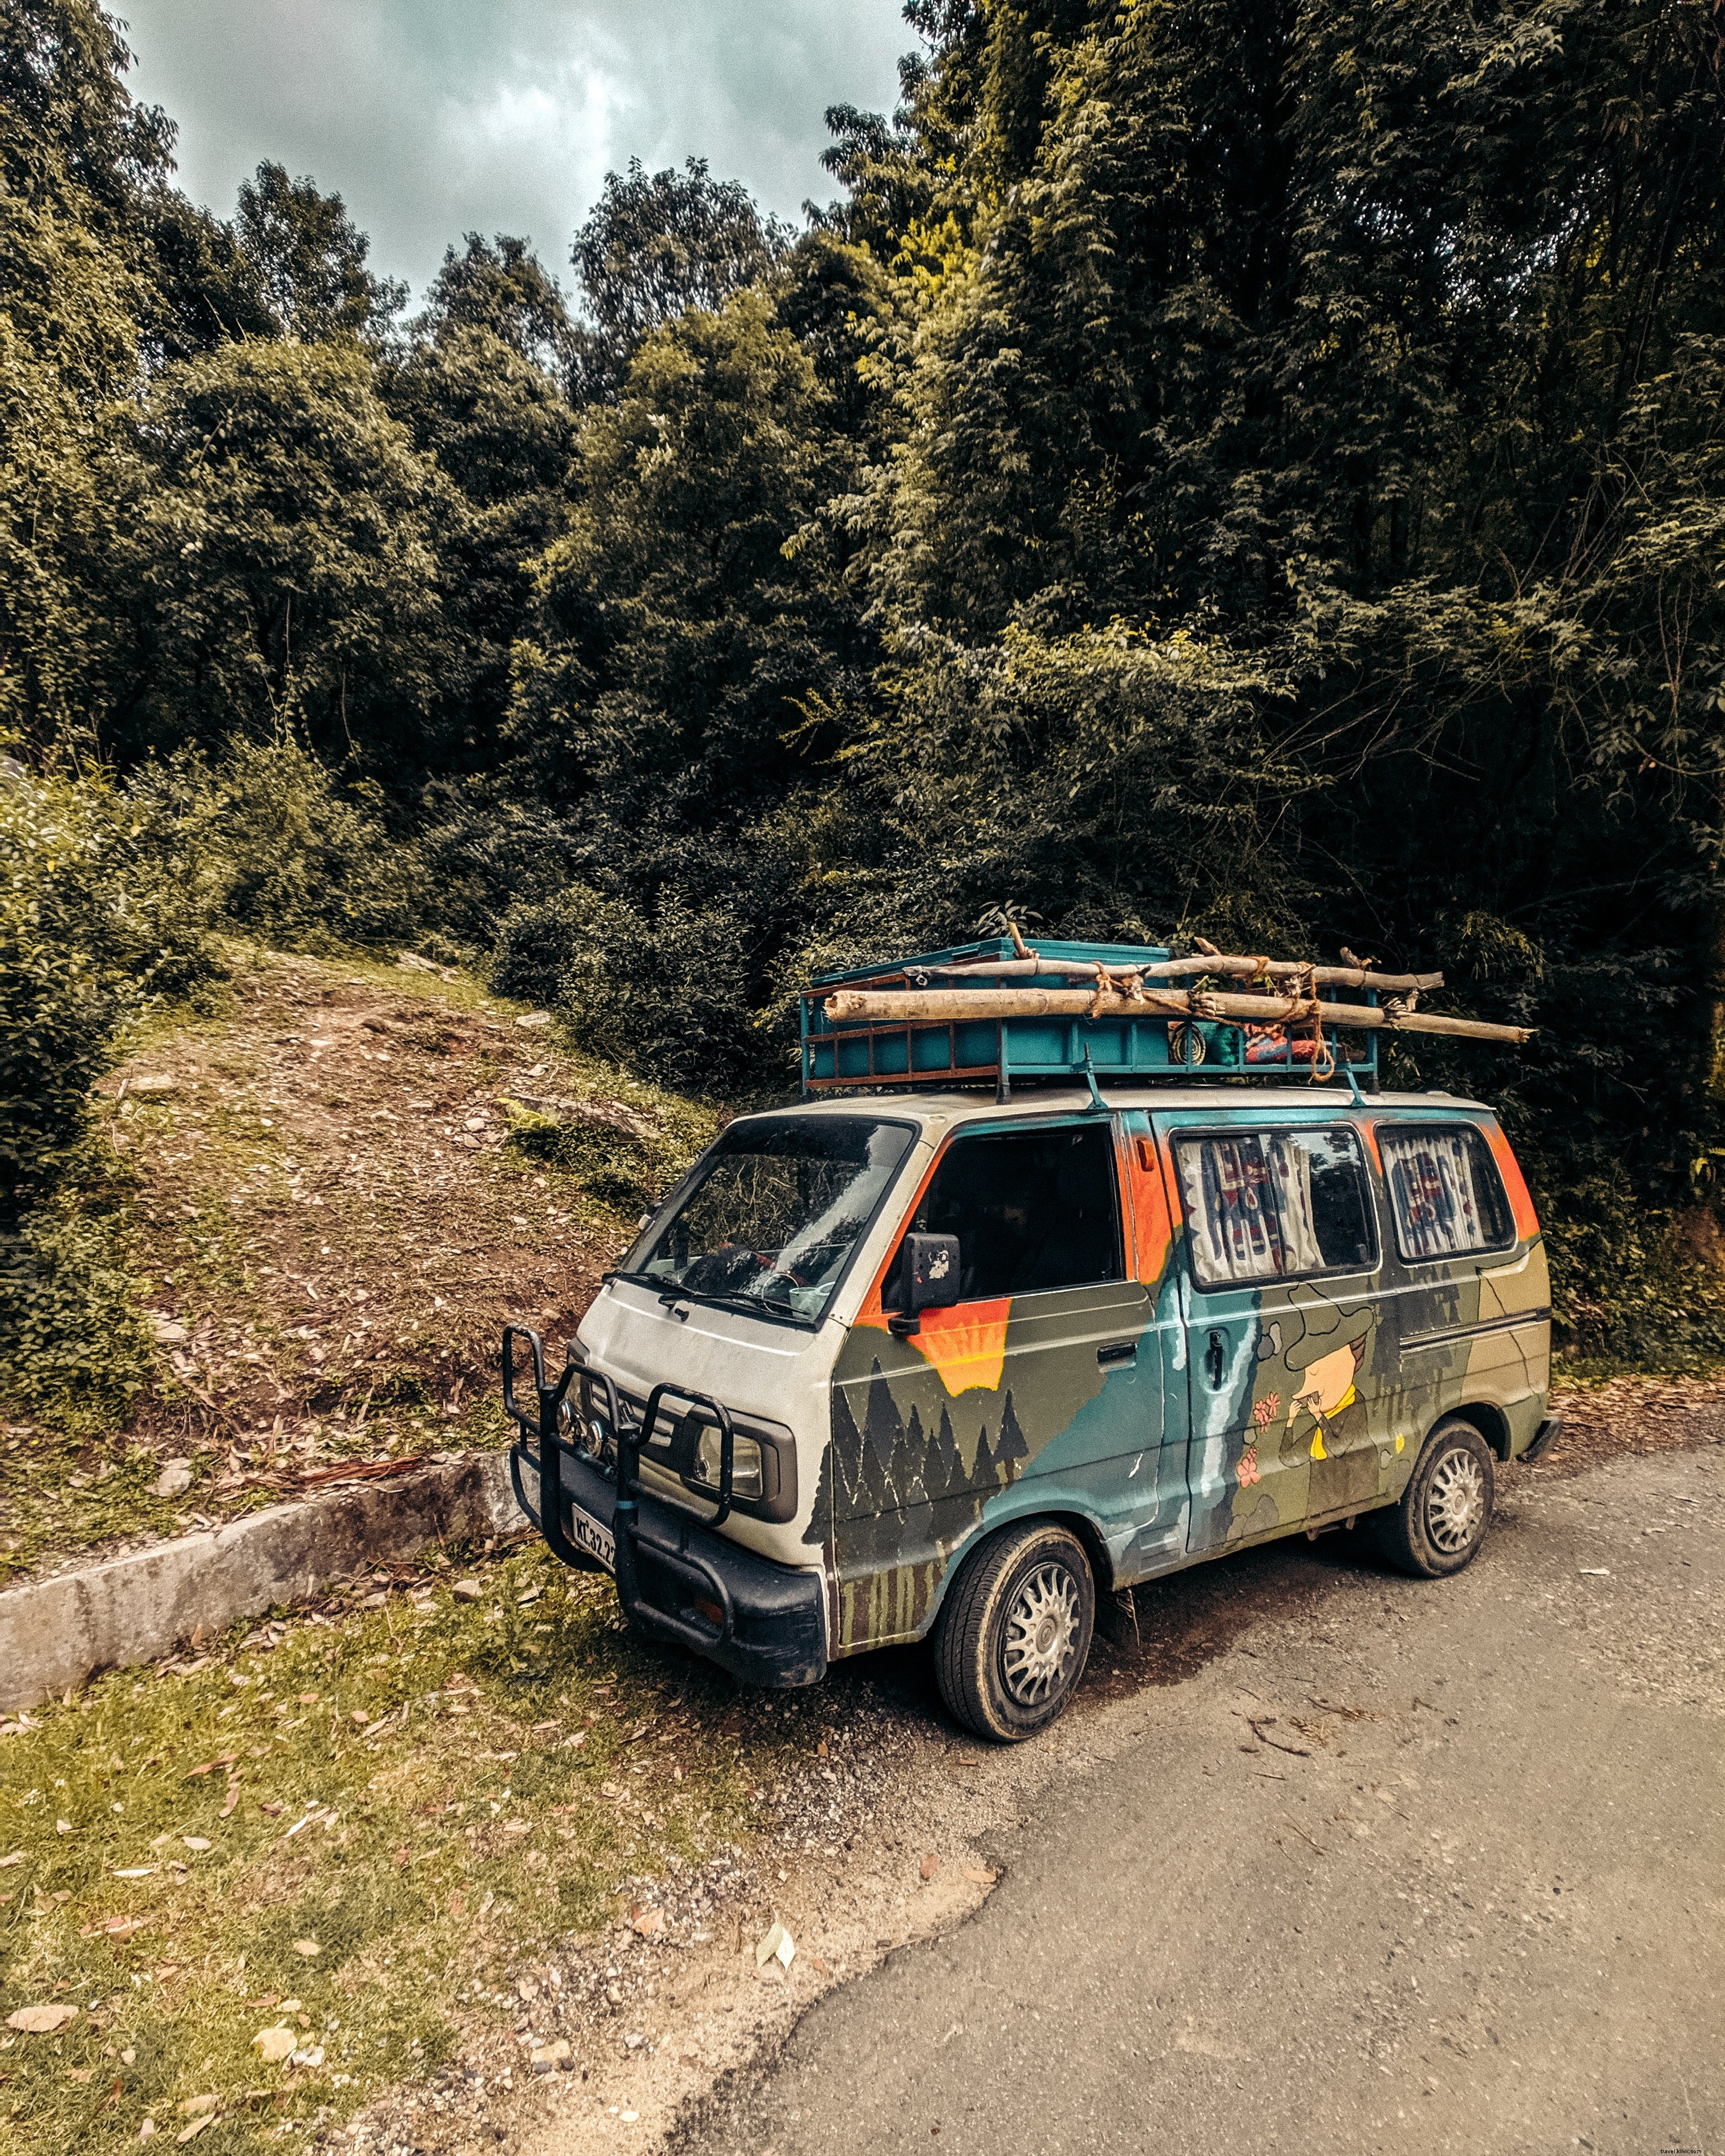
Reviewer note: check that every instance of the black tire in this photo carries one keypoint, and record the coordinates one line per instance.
(1015, 1633)
(1441, 1521)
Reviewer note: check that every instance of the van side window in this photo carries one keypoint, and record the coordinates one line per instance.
(1032, 1210)
(1270, 1205)
(1445, 1192)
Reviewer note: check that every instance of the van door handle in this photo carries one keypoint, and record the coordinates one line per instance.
(1122, 1351)
(1215, 1360)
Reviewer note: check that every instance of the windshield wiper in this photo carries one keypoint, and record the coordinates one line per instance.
(669, 1291)
(758, 1303)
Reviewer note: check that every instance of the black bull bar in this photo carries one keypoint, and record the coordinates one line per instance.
(677, 1580)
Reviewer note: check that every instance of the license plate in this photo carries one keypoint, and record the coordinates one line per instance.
(595, 1539)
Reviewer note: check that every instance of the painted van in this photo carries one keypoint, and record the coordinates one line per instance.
(946, 1366)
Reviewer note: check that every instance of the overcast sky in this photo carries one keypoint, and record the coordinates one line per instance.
(435, 117)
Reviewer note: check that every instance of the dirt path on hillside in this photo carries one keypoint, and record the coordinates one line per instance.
(332, 1224)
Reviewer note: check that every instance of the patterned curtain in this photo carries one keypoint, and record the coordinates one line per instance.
(1433, 1189)
(1249, 1206)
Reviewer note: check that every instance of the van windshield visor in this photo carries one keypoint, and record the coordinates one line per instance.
(772, 1214)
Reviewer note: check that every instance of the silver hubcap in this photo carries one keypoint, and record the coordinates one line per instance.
(1455, 1502)
(1041, 1631)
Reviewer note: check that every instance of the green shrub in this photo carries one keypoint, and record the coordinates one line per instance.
(1633, 1285)
(537, 940)
(93, 921)
(267, 845)
(73, 1347)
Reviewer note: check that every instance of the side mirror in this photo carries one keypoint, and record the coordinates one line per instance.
(930, 1278)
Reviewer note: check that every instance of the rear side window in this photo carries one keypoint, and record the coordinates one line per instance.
(1032, 1210)
(1445, 1194)
(1270, 1205)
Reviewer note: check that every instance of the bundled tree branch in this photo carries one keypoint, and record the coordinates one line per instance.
(1172, 969)
(901, 1006)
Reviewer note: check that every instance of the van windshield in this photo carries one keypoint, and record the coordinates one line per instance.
(770, 1215)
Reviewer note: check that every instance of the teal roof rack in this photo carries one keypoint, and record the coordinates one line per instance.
(871, 1054)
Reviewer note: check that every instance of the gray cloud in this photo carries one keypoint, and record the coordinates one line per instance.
(433, 117)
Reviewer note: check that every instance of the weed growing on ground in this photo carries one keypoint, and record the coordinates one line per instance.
(328, 1835)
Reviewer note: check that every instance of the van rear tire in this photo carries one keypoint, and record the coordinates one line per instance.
(1013, 1634)
(1440, 1523)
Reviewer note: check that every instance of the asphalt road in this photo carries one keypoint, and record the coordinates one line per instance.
(1473, 1904)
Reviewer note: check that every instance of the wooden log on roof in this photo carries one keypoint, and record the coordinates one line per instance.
(911, 1006)
(1170, 969)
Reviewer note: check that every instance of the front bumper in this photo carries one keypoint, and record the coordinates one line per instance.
(676, 1579)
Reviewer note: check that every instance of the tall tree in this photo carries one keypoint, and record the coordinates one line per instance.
(655, 244)
(274, 569)
(75, 156)
(309, 260)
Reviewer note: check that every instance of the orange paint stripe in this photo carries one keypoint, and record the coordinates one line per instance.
(1153, 1224)
(1520, 1198)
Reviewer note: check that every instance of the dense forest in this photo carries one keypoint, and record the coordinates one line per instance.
(1236, 468)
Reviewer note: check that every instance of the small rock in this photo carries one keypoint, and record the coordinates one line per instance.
(169, 1333)
(194, 2104)
(275, 2044)
(647, 1922)
(194, 1842)
(533, 1020)
(174, 1478)
(930, 1865)
(154, 1085)
(467, 1590)
(548, 2058)
(307, 1947)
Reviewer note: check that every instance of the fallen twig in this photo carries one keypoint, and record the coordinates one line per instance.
(1258, 1728)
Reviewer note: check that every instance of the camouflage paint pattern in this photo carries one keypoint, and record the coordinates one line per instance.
(997, 1410)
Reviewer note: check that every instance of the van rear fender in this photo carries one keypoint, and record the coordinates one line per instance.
(1490, 1422)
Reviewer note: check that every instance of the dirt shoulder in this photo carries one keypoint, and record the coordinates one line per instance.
(340, 1185)
(1627, 1417)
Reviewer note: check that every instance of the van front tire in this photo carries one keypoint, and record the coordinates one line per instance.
(1015, 1633)
(1440, 1523)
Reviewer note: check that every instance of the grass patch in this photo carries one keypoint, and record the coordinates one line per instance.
(422, 1794)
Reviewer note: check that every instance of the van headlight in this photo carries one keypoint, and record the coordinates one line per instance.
(703, 1468)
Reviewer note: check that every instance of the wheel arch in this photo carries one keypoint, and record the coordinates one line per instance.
(1490, 1422)
(1053, 1515)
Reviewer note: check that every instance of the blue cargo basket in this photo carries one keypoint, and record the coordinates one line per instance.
(946, 1052)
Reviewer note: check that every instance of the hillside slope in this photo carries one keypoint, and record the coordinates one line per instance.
(341, 1186)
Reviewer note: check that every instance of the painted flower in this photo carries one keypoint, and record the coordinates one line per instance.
(1264, 1414)
(1248, 1467)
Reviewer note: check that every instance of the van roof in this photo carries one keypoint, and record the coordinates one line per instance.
(942, 1111)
